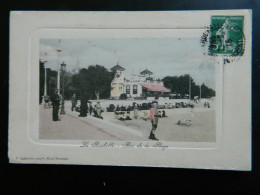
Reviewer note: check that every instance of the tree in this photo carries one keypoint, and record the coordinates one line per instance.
(95, 80)
(180, 85)
(51, 81)
(207, 92)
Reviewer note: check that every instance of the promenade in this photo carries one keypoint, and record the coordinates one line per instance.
(72, 127)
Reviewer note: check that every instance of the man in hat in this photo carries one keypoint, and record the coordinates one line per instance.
(154, 118)
(55, 99)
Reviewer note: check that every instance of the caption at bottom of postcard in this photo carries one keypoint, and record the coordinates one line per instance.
(99, 144)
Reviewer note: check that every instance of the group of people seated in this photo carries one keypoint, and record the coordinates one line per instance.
(123, 116)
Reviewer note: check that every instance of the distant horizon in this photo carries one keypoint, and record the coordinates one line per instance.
(162, 56)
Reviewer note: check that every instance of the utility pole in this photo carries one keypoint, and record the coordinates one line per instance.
(63, 69)
(45, 83)
(45, 80)
(189, 87)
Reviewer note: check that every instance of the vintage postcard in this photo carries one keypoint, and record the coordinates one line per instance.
(162, 89)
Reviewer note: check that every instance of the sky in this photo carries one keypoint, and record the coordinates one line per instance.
(162, 56)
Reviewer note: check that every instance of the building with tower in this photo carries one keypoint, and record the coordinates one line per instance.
(142, 85)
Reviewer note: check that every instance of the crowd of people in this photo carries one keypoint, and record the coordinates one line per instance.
(84, 108)
(120, 113)
(147, 106)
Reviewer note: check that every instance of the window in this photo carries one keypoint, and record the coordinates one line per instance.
(134, 89)
(128, 89)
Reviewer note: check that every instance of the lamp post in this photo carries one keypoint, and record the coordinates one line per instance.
(45, 80)
(58, 72)
(63, 69)
(45, 96)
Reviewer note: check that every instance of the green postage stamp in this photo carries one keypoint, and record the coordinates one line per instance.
(226, 35)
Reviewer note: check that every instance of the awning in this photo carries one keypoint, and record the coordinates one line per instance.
(155, 87)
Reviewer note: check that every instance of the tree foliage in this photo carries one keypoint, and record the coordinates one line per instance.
(180, 85)
(207, 92)
(95, 80)
(51, 81)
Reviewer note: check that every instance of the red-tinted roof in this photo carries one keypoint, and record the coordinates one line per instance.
(155, 87)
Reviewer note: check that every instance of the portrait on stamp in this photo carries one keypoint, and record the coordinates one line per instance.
(227, 35)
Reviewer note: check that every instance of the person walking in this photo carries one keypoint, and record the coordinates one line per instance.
(55, 99)
(90, 108)
(73, 102)
(84, 105)
(154, 118)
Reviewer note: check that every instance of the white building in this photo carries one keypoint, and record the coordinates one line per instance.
(135, 86)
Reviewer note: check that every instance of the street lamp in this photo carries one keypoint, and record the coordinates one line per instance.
(46, 98)
(45, 80)
(63, 69)
(58, 72)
